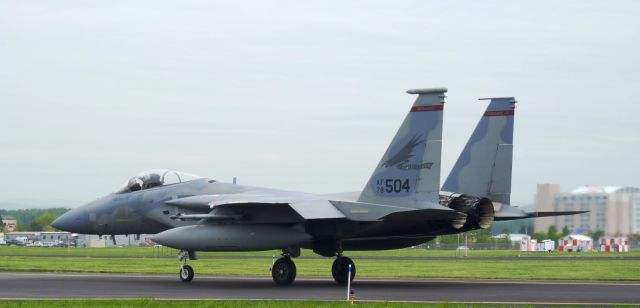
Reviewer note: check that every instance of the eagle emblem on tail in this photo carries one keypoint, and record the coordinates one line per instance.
(405, 152)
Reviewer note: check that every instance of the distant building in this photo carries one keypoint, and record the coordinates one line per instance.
(546, 246)
(23, 236)
(91, 240)
(513, 237)
(10, 223)
(612, 209)
(529, 244)
(77, 240)
(54, 237)
(95, 243)
(544, 202)
(40, 238)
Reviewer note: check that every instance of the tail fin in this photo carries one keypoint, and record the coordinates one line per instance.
(409, 172)
(484, 166)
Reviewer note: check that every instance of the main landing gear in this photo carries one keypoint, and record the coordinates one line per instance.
(186, 272)
(340, 269)
(283, 270)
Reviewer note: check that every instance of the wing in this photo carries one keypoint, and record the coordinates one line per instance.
(282, 208)
(257, 207)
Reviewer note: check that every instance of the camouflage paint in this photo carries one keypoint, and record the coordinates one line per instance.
(483, 168)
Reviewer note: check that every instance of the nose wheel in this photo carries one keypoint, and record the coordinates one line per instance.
(186, 273)
(340, 269)
(283, 271)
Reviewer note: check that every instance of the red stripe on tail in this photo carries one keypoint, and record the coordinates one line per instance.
(499, 113)
(427, 108)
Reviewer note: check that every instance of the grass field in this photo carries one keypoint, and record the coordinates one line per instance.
(455, 268)
(169, 252)
(224, 304)
(145, 260)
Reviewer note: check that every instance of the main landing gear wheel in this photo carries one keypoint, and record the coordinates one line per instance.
(283, 271)
(186, 273)
(340, 269)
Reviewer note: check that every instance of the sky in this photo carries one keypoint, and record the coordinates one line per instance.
(306, 95)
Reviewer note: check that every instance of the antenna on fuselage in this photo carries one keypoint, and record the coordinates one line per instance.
(235, 180)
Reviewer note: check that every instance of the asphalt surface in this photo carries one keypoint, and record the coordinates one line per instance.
(19, 285)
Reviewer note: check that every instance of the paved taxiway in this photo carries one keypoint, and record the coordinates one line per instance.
(17, 285)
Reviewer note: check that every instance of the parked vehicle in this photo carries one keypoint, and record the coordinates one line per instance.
(15, 243)
(35, 244)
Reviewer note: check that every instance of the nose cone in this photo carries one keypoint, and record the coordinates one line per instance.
(72, 221)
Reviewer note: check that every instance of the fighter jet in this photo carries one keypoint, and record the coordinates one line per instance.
(400, 206)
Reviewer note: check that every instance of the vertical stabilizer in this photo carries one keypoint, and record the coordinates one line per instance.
(409, 172)
(484, 166)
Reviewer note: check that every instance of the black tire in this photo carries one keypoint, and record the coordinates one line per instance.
(186, 273)
(283, 271)
(340, 268)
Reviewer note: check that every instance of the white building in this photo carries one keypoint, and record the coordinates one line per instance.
(612, 209)
(10, 223)
(528, 244)
(22, 236)
(91, 240)
(546, 246)
(54, 237)
(514, 237)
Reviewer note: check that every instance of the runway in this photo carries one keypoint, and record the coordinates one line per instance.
(19, 285)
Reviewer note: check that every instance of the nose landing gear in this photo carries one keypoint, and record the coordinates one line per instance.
(186, 272)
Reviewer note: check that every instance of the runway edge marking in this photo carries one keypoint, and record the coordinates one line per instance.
(391, 280)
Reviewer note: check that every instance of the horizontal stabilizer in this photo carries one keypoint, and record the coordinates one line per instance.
(559, 213)
(511, 213)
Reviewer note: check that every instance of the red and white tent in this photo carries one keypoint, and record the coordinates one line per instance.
(575, 242)
(614, 244)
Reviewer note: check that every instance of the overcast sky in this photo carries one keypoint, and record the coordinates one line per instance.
(306, 95)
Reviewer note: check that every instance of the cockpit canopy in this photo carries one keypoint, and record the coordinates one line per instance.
(155, 178)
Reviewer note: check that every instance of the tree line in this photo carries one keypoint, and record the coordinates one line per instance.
(483, 239)
(33, 219)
